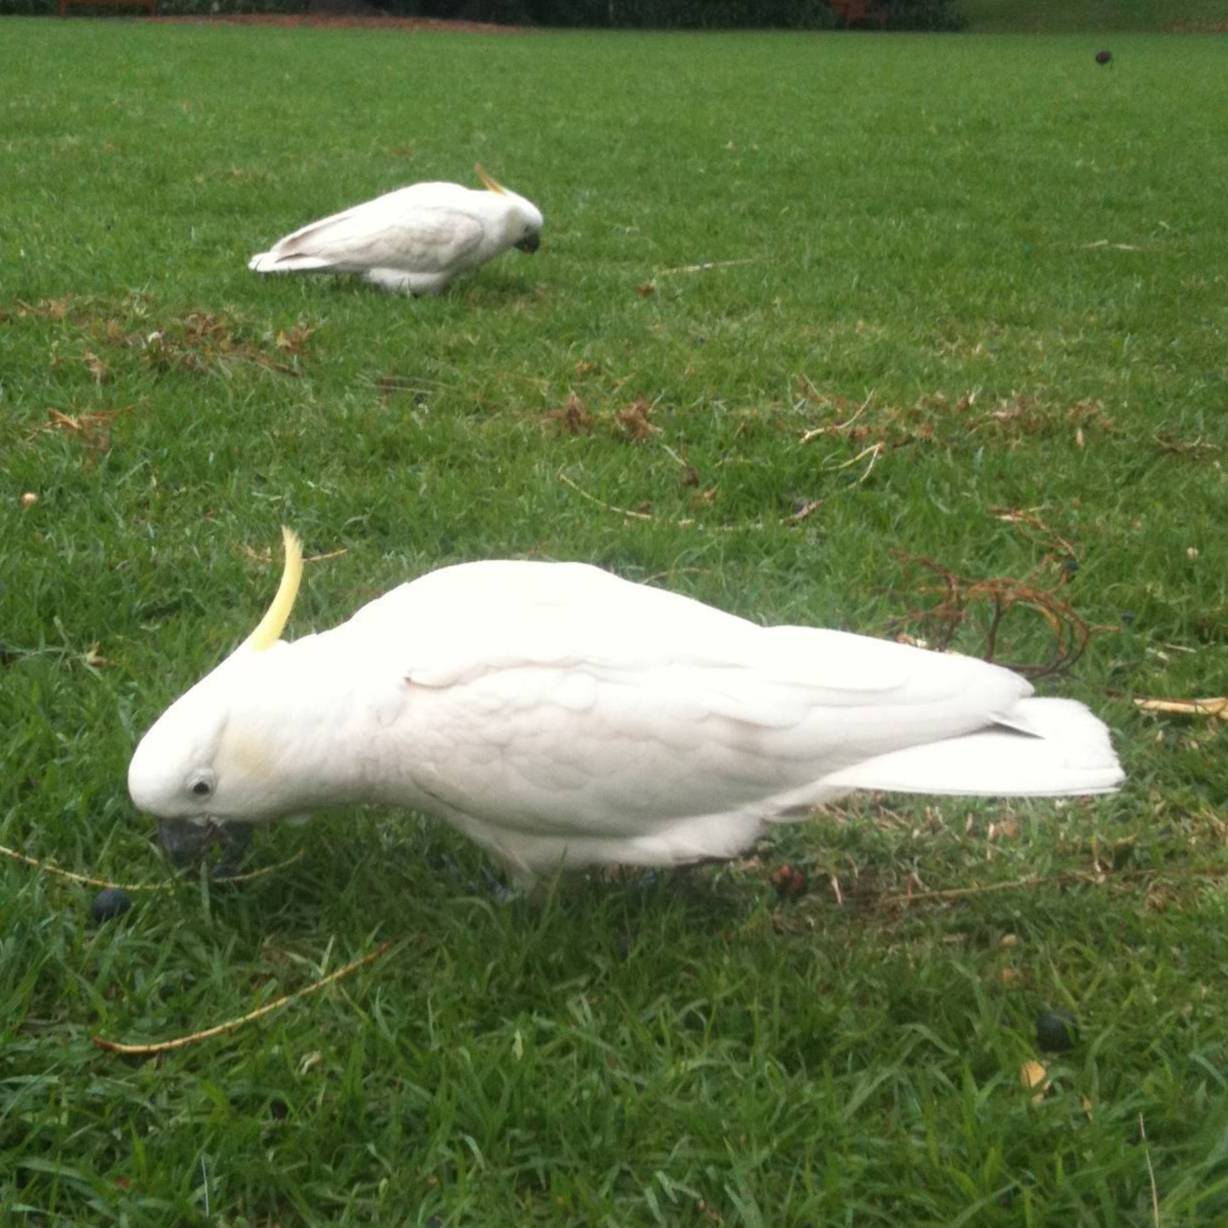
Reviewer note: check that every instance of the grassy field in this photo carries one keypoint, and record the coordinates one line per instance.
(1093, 16)
(1003, 261)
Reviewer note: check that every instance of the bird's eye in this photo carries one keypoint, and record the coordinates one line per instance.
(201, 783)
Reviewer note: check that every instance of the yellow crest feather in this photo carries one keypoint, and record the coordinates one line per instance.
(274, 621)
(490, 184)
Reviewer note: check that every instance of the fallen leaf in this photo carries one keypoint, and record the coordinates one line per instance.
(634, 421)
(97, 368)
(92, 429)
(573, 418)
(294, 340)
(805, 509)
(789, 881)
(1034, 1078)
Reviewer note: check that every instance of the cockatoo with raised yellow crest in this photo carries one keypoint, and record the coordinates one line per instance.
(563, 717)
(415, 240)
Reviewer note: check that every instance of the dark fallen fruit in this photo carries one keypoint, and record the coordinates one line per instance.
(1103, 57)
(789, 881)
(109, 903)
(1055, 1031)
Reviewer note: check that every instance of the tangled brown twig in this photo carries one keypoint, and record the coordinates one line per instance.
(958, 595)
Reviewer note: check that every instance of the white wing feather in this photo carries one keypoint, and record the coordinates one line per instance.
(556, 713)
(420, 229)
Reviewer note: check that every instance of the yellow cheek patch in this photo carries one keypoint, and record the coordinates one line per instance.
(239, 756)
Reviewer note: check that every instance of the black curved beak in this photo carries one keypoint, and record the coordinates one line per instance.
(530, 243)
(184, 842)
(187, 842)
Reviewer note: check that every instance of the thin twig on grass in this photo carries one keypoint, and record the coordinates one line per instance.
(708, 264)
(833, 428)
(1187, 707)
(167, 885)
(959, 893)
(685, 523)
(1185, 447)
(1056, 546)
(1118, 247)
(231, 1025)
(1087, 877)
(874, 451)
(266, 555)
(689, 522)
(1151, 1172)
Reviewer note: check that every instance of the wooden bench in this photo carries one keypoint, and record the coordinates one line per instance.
(150, 6)
(860, 12)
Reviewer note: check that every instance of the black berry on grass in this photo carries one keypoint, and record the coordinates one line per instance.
(1055, 1031)
(109, 903)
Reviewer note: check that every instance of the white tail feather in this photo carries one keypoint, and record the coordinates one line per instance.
(286, 262)
(1042, 748)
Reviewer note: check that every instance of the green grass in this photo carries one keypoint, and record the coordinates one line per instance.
(1093, 16)
(1016, 259)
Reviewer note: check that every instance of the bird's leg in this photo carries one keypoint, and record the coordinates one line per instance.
(521, 884)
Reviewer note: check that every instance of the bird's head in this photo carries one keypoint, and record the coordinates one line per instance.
(523, 218)
(209, 760)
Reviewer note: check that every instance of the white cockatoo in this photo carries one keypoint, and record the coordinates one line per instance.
(415, 240)
(563, 717)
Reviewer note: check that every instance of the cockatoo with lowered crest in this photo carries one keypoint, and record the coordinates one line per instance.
(415, 240)
(563, 717)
